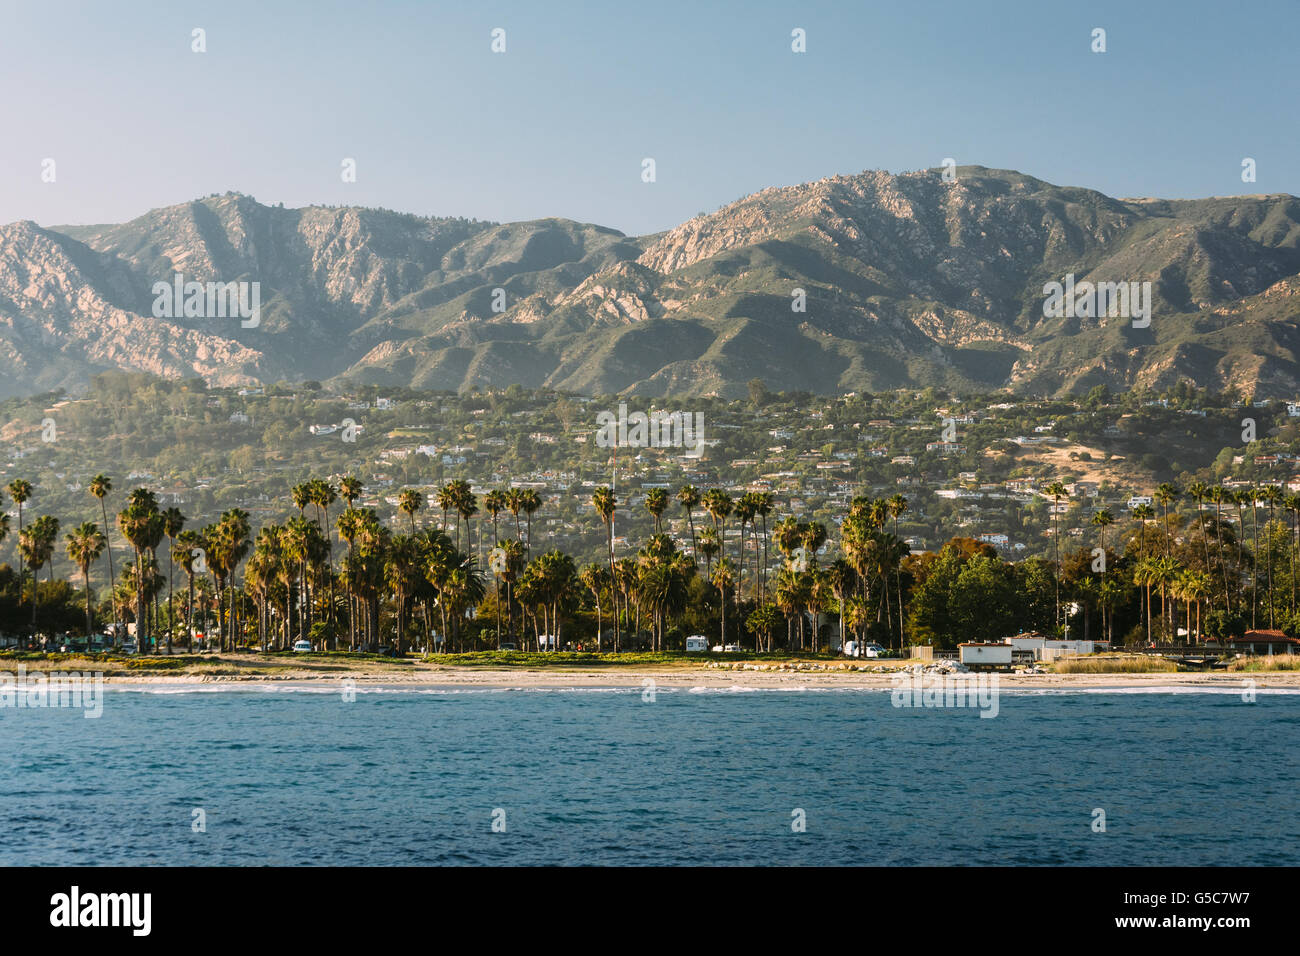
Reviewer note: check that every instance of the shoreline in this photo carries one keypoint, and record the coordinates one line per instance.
(259, 671)
(505, 679)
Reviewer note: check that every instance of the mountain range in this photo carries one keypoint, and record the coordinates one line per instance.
(907, 280)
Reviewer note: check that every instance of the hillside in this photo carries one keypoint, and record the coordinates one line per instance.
(909, 280)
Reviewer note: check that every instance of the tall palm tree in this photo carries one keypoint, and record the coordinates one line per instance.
(530, 502)
(722, 580)
(446, 499)
(324, 494)
(656, 502)
(350, 489)
(1103, 519)
(515, 504)
(100, 486)
(688, 496)
(1056, 491)
(20, 490)
(1292, 505)
(409, 502)
(172, 524)
(183, 550)
(764, 509)
(1251, 496)
(350, 524)
(1219, 494)
(494, 502)
(746, 511)
(1165, 495)
(36, 544)
(1144, 576)
(85, 544)
(897, 505)
(606, 505)
(1199, 491)
(1270, 495)
(596, 579)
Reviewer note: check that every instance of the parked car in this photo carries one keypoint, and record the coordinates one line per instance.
(873, 650)
(697, 642)
(302, 647)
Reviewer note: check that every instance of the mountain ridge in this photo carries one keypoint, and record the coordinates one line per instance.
(908, 280)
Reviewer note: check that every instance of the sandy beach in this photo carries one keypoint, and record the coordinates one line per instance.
(261, 669)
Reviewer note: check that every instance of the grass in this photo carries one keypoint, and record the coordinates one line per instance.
(593, 659)
(1280, 662)
(1118, 664)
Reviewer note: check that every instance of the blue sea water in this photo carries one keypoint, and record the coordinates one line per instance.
(600, 776)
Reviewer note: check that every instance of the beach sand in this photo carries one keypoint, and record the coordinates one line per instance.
(257, 669)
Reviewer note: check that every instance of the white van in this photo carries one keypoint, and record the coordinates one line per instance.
(697, 642)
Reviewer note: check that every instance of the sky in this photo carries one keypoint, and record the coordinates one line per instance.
(559, 124)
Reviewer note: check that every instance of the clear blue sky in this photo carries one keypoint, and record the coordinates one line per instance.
(559, 124)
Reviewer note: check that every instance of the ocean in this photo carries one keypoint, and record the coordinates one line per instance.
(238, 775)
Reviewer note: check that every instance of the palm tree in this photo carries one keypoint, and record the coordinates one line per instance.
(656, 502)
(515, 503)
(1252, 497)
(722, 580)
(1144, 576)
(20, 490)
(606, 505)
(708, 548)
(719, 506)
(689, 498)
(1292, 505)
(183, 550)
(403, 569)
(840, 577)
(1103, 519)
(446, 499)
(494, 502)
(172, 524)
(36, 543)
(1165, 495)
(1056, 491)
(409, 502)
(746, 511)
(1219, 494)
(764, 509)
(595, 579)
(349, 525)
(324, 494)
(530, 502)
(1270, 495)
(1198, 491)
(301, 495)
(897, 505)
(788, 600)
(350, 489)
(85, 544)
(100, 486)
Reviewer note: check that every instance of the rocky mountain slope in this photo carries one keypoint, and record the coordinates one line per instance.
(907, 280)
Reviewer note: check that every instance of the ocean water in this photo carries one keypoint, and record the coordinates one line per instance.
(601, 776)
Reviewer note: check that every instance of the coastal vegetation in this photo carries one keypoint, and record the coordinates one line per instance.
(335, 576)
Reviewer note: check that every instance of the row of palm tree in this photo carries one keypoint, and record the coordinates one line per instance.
(1192, 563)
